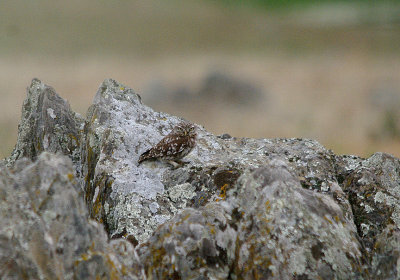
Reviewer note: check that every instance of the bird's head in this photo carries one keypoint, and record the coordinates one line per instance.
(187, 129)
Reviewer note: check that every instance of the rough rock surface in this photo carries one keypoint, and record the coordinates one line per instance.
(135, 200)
(195, 244)
(269, 227)
(44, 227)
(238, 208)
(47, 124)
(287, 231)
(374, 192)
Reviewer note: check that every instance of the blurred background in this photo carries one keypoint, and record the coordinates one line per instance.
(325, 70)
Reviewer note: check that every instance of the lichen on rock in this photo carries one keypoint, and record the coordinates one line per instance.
(374, 191)
(287, 231)
(124, 195)
(269, 227)
(234, 208)
(47, 124)
(44, 228)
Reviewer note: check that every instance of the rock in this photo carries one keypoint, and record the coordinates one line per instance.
(226, 88)
(373, 190)
(268, 228)
(235, 208)
(195, 244)
(219, 86)
(160, 92)
(288, 232)
(135, 200)
(384, 264)
(47, 124)
(385, 98)
(44, 228)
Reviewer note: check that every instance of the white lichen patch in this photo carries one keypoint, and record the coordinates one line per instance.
(380, 197)
(396, 216)
(324, 187)
(352, 162)
(154, 207)
(51, 113)
(45, 142)
(183, 192)
(391, 201)
(96, 193)
(368, 208)
(298, 262)
(364, 229)
(160, 219)
(395, 191)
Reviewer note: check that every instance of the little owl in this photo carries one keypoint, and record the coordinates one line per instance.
(177, 144)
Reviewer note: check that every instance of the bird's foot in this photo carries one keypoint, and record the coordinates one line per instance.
(177, 163)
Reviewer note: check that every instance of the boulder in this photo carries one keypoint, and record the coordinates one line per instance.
(226, 88)
(47, 124)
(220, 86)
(45, 232)
(373, 189)
(135, 199)
(233, 208)
(269, 227)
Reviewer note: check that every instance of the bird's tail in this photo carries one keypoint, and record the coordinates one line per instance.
(143, 157)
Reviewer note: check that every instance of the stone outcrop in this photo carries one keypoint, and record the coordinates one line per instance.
(268, 227)
(137, 199)
(45, 232)
(238, 208)
(219, 86)
(47, 124)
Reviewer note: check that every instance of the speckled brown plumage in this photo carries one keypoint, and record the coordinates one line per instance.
(177, 144)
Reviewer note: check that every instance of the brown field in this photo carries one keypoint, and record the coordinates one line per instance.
(333, 77)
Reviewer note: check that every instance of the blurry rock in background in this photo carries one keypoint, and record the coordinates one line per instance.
(386, 99)
(217, 86)
(300, 68)
(222, 87)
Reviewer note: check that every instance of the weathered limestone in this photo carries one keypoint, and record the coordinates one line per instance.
(137, 199)
(44, 228)
(269, 227)
(47, 124)
(238, 208)
(373, 190)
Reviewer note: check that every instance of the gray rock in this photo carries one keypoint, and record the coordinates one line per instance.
(288, 232)
(237, 208)
(374, 192)
(47, 124)
(219, 86)
(268, 228)
(222, 87)
(385, 98)
(195, 244)
(386, 258)
(137, 199)
(44, 229)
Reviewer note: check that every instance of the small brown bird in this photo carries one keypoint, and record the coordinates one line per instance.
(177, 144)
